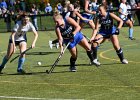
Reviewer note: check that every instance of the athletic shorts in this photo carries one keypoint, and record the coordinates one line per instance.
(90, 17)
(107, 33)
(77, 38)
(125, 19)
(17, 42)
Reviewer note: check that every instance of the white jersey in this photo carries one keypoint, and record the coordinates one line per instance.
(124, 11)
(95, 6)
(129, 7)
(22, 30)
(67, 15)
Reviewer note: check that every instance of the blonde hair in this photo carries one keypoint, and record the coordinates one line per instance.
(57, 16)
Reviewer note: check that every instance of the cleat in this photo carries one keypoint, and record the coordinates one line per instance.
(57, 45)
(95, 62)
(1, 70)
(50, 44)
(72, 69)
(124, 61)
(21, 71)
(132, 38)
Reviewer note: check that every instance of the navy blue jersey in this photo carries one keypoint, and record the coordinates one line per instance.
(73, 17)
(106, 22)
(66, 32)
(107, 27)
(71, 14)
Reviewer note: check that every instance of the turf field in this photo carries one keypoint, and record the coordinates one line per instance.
(111, 81)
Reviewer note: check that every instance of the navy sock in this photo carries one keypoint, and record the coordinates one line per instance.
(120, 54)
(94, 49)
(72, 61)
(90, 55)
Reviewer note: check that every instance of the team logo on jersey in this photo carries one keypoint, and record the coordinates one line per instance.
(68, 31)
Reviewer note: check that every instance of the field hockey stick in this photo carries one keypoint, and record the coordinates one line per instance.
(86, 37)
(20, 54)
(57, 60)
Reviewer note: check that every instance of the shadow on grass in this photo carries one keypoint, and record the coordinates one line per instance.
(67, 65)
(40, 53)
(35, 73)
(30, 73)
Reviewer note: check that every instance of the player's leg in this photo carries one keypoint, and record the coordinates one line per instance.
(116, 45)
(91, 24)
(73, 59)
(130, 24)
(7, 56)
(84, 43)
(51, 43)
(22, 47)
(83, 22)
(97, 41)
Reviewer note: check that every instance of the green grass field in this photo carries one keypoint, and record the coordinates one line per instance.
(111, 81)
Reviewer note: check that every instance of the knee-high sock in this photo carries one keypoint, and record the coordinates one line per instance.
(94, 49)
(120, 54)
(130, 32)
(20, 63)
(72, 61)
(90, 55)
(5, 60)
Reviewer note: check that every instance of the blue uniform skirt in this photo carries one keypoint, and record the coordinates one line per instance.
(90, 17)
(77, 38)
(106, 33)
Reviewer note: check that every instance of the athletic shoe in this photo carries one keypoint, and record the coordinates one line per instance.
(72, 68)
(50, 44)
(1, 70)
(124, 61)
(57, 45)
(21, 71)
(96, 62)
(132, 38)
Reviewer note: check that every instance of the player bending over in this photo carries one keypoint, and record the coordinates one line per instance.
(18, 38)
(68, 30)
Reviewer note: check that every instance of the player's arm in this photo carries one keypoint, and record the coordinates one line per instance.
(75, 24)
(60, 38)
(86, 8)
(35, 35)
(120, 10)
(117, 19)
(15, 29)
(79, 15)
(97, 24)
(13, 41)
(35, 38)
